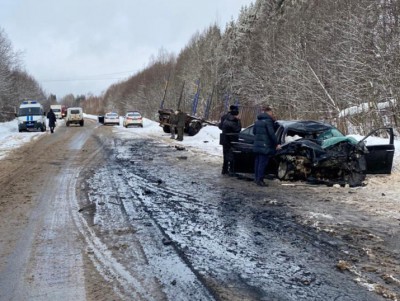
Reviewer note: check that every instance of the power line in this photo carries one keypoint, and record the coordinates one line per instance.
(78, 79)
(90, 77)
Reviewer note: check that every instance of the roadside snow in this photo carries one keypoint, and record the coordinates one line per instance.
(207, 140)
(10, 137)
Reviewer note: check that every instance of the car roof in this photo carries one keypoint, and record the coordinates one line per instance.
(305, 125)
(133, 112)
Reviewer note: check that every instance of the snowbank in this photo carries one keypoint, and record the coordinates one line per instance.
(207, 140)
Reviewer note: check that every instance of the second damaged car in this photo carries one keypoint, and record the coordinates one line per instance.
(318, 152)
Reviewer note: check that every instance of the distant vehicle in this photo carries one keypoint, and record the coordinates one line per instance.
(57, 111)
(74, 116)
(192, 124)
(133, 118)
(319, 153)
(31, 116)
(111, 118)
(63, 111)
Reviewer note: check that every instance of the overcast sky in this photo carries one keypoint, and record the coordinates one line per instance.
(83, 46)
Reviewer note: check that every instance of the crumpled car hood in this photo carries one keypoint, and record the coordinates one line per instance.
(335, 140)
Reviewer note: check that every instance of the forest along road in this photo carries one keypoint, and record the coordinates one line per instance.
(90, 213)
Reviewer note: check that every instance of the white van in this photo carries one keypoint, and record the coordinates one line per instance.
(57, 111)
(31, 116)
(74, 116)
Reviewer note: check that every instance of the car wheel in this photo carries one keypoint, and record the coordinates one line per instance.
(283, 170)
(194, 128)
(166, 129)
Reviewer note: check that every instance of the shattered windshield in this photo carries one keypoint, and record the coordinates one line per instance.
(331, 133)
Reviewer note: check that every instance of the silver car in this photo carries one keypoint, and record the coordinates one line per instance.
(133, 118)
(111, 118)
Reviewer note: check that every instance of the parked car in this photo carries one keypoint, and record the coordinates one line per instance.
(74, 116)
(111, 118)
(318, 152)
(31, 116)
(133, 118)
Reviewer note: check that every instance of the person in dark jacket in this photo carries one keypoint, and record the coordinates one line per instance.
(223, 117)
(52, 120)
(230, 125)
(265, 143)
(173, 119)
(180, 124)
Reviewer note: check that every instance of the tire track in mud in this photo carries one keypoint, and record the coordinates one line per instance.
(128, 235)
(102, 251)
(239, 251)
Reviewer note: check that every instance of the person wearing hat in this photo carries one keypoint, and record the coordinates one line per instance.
(223, 117)
(265, 143)
(230, 125)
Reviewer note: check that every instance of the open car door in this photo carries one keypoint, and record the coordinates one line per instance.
(380, 156)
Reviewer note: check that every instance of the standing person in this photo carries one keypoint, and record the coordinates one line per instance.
(265, 143)
(223, 117)
(52, 120)
(173, 121)
(230, 126)
(180, 124)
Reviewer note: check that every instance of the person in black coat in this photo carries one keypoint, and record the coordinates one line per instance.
(230, 125)
(265, 143)
(52, 120)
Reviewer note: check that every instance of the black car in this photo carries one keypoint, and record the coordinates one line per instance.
(319, 153)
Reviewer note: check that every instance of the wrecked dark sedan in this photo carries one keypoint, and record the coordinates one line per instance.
(318, 152)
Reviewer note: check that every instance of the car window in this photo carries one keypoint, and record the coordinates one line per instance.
(331, 133)
(133, 114)
(248, 131)
(75, 112)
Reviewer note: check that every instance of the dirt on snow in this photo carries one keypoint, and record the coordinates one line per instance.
(86, 214)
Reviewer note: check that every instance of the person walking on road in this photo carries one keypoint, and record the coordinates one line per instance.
(180, 124)
(265, 143)
(230, 125)
(52, 120)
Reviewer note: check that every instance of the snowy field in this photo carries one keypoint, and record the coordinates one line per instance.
(207, 140)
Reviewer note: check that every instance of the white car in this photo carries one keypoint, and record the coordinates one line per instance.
(74, 116)
(111, 118)
(133, 118)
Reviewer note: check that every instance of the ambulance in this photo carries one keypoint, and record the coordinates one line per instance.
(31, 116)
